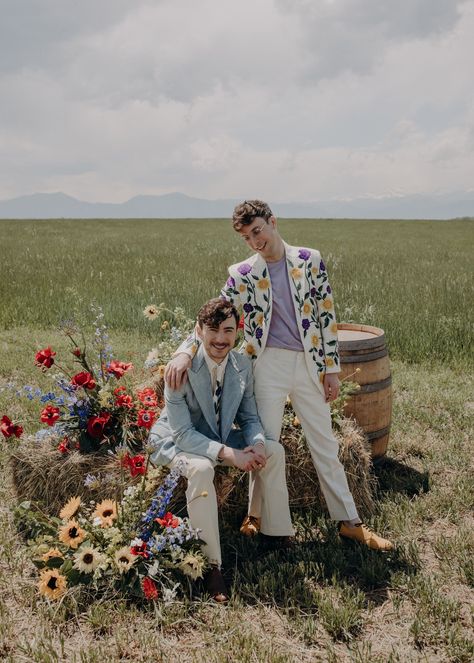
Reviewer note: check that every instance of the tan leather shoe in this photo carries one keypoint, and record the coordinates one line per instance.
(364, 535)
(250, 526)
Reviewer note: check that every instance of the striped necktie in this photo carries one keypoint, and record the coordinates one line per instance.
(217, 402)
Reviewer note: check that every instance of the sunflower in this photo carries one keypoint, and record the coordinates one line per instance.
(296, 273)
(87, 559)
(106, 512)
(124, 560)
(306, 308)
(249, 349)
(329, 362)
(327, 304)
(242, 287)
(315, 340)
(192, 566)
(53, 552)
(333, 327)
(263, 284)
(70, 508)
(259, 319)
(151, 312)
(71, 534)
(52, 584)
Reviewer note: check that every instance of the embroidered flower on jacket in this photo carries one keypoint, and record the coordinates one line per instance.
(296, 273)
(263, 284)
(327, 304)
(304, 254)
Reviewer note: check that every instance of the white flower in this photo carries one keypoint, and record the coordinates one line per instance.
(168, 594)
(136, 542)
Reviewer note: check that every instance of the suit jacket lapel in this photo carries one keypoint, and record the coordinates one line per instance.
(200, 381)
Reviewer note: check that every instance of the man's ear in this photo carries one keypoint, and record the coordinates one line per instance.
(198, 331)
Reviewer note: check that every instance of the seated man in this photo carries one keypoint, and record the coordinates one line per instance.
(196, 426)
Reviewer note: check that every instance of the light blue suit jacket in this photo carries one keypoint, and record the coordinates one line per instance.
(188, 421)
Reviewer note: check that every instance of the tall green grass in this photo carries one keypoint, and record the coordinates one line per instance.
(412, 278)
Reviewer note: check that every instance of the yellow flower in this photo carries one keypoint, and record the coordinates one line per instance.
(106, 398)
(259, 319)
(106, 512)
(124, 560)
(52, 584)
(54, 552)
(327, 304)
(249, 349)
(315, 340)
(306, 308)
(263, 284)
(296, 273)
(165, 325)
(71, 534)
(314, 271)
(87, 559)
(333, 327)
(242, 287)
(192, 566)
(151, 312)
(329, 361)
(70, 508)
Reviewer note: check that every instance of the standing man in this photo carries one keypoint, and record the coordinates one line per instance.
(196, 428)
(290, 333)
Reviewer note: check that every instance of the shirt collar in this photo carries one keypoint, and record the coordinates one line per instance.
(211, 365)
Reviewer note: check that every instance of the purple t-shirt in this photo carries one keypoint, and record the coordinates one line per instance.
(283, 331)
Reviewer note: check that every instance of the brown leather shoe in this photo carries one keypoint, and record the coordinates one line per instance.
(215, 586)
(364, 535)
(250, 526)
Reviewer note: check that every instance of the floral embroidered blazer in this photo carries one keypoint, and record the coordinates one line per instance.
(249, 288)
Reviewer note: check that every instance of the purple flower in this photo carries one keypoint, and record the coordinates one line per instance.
(244, 269)
(322, 267)
(304, 254)
(230, 282)
(320, 353)
(313, 292)
(329, 290)
(306, 323)
(259, 332)
(248, 308)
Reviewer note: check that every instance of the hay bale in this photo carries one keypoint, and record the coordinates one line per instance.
(302, 479)
(43, 475)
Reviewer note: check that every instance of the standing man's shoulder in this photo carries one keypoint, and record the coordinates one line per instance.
(302, 253)
(244, 267)
(240, 361)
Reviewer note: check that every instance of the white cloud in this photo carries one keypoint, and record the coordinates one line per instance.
(297, 100)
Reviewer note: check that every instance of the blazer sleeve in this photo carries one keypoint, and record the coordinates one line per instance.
(327, 315)
(247, 415)
(185, 435)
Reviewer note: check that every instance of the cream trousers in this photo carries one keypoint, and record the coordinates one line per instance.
(270, 496)
(281, 373)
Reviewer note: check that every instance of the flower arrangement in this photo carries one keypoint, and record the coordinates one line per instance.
(132, 545)
(91, 405)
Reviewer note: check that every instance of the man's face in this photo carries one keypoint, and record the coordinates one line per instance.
(262, 237)
(218, 342)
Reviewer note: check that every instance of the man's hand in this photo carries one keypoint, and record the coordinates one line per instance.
(331, 386)
(244, 460)
(176, 370)
(258, 450)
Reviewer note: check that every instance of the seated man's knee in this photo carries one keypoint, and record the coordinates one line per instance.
(200, 469)
(274, 450)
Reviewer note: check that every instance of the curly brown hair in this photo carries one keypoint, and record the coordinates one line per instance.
(245, 213)
(215, 311)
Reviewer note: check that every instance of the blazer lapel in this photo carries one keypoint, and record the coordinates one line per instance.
(200, 381)
(232, 393)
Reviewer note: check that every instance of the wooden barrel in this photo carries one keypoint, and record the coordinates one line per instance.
(363, 347)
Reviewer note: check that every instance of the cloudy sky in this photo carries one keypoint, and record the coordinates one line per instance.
(289, 100)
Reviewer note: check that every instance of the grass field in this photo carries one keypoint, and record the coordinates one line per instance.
(323, 601)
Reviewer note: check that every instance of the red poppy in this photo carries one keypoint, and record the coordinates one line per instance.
(83, 379)
(77, 352)
(124, 400)
(146, 418)
(63, 446)
(8, 428)
(118, 390)
(118, 368)
(168, 520)
(45, 357)
(241, 322)
(148, 397)
(140, 550)
(136, 464)
(96, 425)
(150, 589)
(50, 415)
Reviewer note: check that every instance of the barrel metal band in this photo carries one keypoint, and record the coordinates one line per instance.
(374, 435)
(374, 386)
(357, 359)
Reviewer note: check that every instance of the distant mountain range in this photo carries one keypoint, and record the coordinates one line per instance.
(178, 205)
